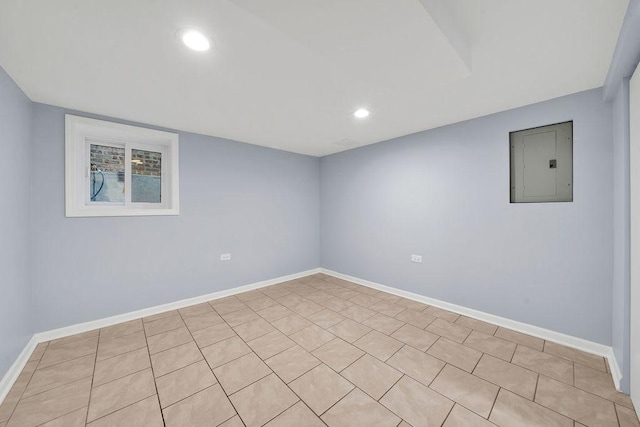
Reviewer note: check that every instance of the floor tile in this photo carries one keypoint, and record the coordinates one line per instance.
(168, 340)
(349, 330)
(228, 306)
(74, 419)
(387, 308)
(416, 364)
(195, 310)
(263, 400)
(159, 316)
(274, 313)
(456, 354)
(579, 405)
(365, 300)
(372, 376)
(338, 354)
(507, 375)
(144, 413)
(261, 303)
(477, 325)
(60, 374)
(12, 398)
(241, 372)
(415, 337)
(254, 329)
(291, 324)
(326, 318)
(175, 358)
(38, 352)
(292, 363)
(213, 334)
(378, 345)
(415, 318)
(466, 389)
(225, 351)
(383, 323)
(544, 363)
(449, 330)
(416, 403)
(210, 407)
(511, 410)
(296, 416)
(409, 303)
(239, 317)
(270, 344)
(312, 337)
(234, 421)
(357, 313)
(115, 395)
(462, 417)
(599, 383)
(337, 304)
(121, 329)
(74, 338)
(627, 417)
(590, 360)
(307, 308)
(163, 325)
(358, 409)
(440, 313)
(320, 388)
(120, 345)
(184, 382)
(290, 300)
(202, 321)
(51, 404)
(502, 349)
(250, 295)
(68, 351)
(520, 338)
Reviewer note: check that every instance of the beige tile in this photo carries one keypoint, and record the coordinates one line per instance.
(365, 300)
(386, 296)
(184, 382)
(318, 296)
(291, 324)
(477, 325)
(338, 354)
(12, 398)
(511, 410)
(415, 337)
(417, 404)
(51, 404)
(195, 310)
(576, 404)
(60, 374)
(462, 417)
(497, 347)
(250, 295)
(68, 351)
(121, 366)
(307, 308)
(466, 389)
(312, 337)
(254, 329)
(292, 363)
(326, 318)
(160, 316)
(116, 346)
(416, 364)
(270, 344)
(349, 330)
(599, 383)
(263, 400)
(290, 300)
(234, 421)
(74, 338)
(175, 358)
(261, 303)
(442, 314)
(337, 304)
(228, 306)
(507, 375)
(371, 376)
(225, 351)
(415, 318)
(357, 313)
(165, 324)
(378, 345)
(38, 352)
(239, 317)
(320, 388)
(241, 372)
(168, 340)
(213, 334)
(387, 308)
(115, 395)
(358, 409)
(74, 419)
(584, 358)
(456, 354)
(121, 329)
(383, 323)
(520, 338)
(202, 321)
(275, 312)
(544, 363)
(144, 413)
(627, 417)
(449, 330)
(414, 305)
(208, 407)
(297, 416)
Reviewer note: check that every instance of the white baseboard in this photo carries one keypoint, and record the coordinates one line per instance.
(560, 338)
(12, 374)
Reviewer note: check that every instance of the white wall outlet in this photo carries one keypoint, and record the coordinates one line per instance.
(416, 258)
(225, 257)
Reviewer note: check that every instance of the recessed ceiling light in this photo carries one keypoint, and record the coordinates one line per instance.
(194, 40)
(361, 113)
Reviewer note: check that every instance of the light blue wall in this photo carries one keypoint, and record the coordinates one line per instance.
(15, 168)
(444, 194)
(259, 204)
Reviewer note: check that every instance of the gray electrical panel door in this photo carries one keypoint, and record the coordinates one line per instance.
(542, 164)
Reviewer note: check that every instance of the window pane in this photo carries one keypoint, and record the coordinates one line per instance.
(146, 174)
(106, 180)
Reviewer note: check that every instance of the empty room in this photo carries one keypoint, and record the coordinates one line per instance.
(393, 213)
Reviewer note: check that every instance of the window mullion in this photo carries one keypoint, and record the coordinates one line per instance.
(127, 175)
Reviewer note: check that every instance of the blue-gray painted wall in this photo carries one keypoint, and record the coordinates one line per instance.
(16, 325)
(259, 204)
(444, 194)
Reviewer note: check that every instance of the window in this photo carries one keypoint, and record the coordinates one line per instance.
(119, 170)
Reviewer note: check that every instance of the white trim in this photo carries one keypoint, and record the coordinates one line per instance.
(12, 374)
(560, 338)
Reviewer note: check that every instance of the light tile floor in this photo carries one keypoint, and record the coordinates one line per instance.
(312, 352)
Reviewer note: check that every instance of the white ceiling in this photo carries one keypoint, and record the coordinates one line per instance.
(289, 73)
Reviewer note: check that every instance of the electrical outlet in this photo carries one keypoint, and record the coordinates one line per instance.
(225, 257)
(416, 258)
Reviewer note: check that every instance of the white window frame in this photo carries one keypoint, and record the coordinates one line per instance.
(81, 132)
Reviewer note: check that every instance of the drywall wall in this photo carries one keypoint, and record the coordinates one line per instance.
(444, 194)
(15, 293)
(258, 204)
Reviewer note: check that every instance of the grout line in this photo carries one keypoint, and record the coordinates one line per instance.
(153, 376)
